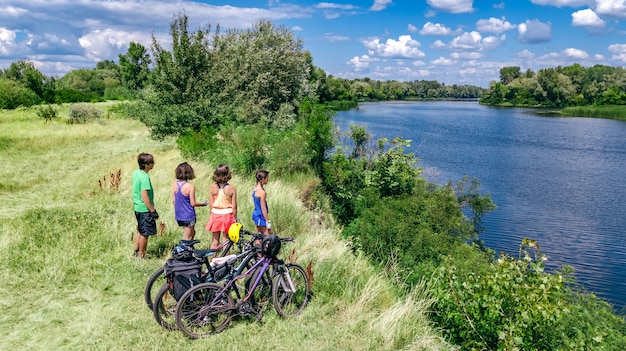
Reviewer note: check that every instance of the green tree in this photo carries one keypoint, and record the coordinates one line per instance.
(13, 94)
(508, 74)
(134, 66)
(28, 75)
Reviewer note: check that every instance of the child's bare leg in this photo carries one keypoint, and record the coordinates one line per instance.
(216, 240)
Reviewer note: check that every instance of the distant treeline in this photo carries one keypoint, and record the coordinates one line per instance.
(22, 84)
(558, 87)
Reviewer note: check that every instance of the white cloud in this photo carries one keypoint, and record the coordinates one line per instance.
(361, 62)
(452, 6)
(586, 18)
(411, 28)
(442, 61)
(474, 41)
(466, 55)
(404, 47)
(438, 44)
(525, 54)
(333, 38)
(563, 3)
(7, 35)
(430, 28)
(11, 11)
(330, 5)
(618, 51)
(494, 25)
(380, 5)
(103, 44)
(576, 53)
(611, 8)
(534, 31)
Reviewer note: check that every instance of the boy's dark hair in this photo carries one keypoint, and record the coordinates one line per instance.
(222, 174)
(184, 171)
(261, 174)
(144, 159)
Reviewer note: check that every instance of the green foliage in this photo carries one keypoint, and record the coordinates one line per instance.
(316, 120)
(244, 77)
(82, 113)
(515, 304)
(558, 87)
(412, 233)
(13, 95)
(24, 71)
(467, 192)
(47, 112)
(134, 67)
(608, 111)
(69, 96)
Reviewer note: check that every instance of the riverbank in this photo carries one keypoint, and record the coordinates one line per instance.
(71, 281)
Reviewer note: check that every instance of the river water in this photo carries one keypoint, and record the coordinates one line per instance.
(561, 181)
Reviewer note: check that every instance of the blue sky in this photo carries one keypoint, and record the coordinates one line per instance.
(450, 41)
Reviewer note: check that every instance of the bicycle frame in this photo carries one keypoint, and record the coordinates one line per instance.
(261, 264)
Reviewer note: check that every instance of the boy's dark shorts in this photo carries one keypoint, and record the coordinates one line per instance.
(146, 225)
(189, 223)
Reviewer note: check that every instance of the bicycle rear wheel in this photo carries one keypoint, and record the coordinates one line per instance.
(198, 315)
(152, 288)
(165, 308)
(291, 290)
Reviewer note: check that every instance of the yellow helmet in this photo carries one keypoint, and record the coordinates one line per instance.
(233, 232)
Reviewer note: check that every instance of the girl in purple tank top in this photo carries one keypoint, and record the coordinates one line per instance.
(184, 200)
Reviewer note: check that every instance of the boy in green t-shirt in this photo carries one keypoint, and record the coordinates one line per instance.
(143, 200)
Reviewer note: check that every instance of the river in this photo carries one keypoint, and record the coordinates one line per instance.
(561, 181)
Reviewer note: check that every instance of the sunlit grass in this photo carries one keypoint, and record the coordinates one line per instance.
(70, 281)
(608, 111)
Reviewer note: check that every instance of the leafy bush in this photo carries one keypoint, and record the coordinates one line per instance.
(514, 304)
(13, 95)
(47, 112)
(68, 96)
(82, 114)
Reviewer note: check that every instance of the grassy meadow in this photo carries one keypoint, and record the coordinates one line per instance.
(70, 281)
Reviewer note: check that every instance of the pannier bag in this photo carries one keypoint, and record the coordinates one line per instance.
(182, 275)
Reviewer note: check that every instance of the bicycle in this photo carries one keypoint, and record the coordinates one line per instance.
(208, 308)
(216, 270)
(151, 289)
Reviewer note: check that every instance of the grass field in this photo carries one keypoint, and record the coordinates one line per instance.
(70, 281)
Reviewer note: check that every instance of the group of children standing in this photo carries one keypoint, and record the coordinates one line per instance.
(222, 203)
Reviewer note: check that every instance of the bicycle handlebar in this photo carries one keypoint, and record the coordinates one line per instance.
(261, 235)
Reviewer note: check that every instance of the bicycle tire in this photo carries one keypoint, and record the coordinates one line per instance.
(196, 319)
(165, 308)
(151, 288)
(290, 303)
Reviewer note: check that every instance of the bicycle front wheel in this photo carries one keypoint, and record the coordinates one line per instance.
(290, 290)
(165, 308)
(152, 287)
(199, 313)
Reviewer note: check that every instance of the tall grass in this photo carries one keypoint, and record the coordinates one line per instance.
(608, 111)
(70, 281)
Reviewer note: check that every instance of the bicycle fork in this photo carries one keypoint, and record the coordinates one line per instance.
(285, 282)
